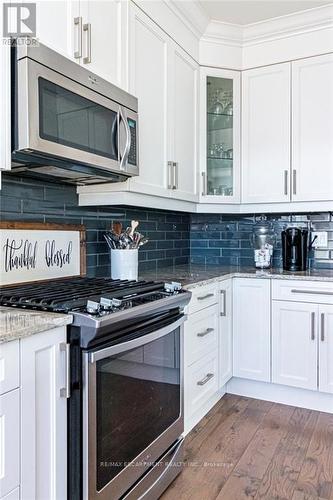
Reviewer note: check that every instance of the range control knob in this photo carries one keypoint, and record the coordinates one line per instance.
(106, 304)
(172, 287)
(92, 307)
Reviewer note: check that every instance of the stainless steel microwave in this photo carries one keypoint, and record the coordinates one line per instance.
(68, 122)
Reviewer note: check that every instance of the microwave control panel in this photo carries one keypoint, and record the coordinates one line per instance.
(133, 150)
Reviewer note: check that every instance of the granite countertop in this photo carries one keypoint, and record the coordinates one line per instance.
(193, 275)
(19, 323)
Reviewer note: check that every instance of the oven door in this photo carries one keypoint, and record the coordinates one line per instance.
(132, 409)
(57, 117)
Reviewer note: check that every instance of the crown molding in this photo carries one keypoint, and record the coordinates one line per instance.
(236, 35)
(289, 25)
(192, 15)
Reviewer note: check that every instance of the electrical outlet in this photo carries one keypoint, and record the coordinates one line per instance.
(321, 240)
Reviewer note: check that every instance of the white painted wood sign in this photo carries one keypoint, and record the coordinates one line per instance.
(29, 253)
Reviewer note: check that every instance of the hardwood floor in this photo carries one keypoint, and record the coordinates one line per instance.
(250, 449)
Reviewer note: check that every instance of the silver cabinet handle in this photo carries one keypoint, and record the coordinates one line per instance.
(312, 292)
(224, 295)
(205, 379)
(286, 182)
(322, 327)
(175, 175)
(78, 24)
(313, 322)
(204, 184)
(65, 392)
(204, 297)
(294, 181)
(170, 172)
(87, 29)
(206, 332)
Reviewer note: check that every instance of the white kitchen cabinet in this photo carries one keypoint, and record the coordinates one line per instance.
(43, 416)
(225, 332)
(266, 102)
(149, 60)
(201, 334)
(312, 119)
(294, 344)
(104, 35)
(219, 135)
(251, 328)
(93, 33)
(164, 78)
(201, 383)
(325, 348)
(183, 121)
(5, 110)
(9, 366)
(9, 441)
(55, 25)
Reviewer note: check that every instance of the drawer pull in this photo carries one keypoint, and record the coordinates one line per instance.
(206, 332)
(313, 323)
(204, 297)
(312, 292)
(224, 295)
(205, 379)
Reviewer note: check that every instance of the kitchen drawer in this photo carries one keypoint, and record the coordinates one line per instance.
(201, 382)
(9, 441)
(9, 366)
(201, 334)
(202, 297)
(13, 495)
(303, 291)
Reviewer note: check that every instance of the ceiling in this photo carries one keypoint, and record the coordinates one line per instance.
(248, 11)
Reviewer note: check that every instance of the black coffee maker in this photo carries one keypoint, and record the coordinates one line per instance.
(295, 249)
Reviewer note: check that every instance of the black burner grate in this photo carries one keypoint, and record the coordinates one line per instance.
(67, 295)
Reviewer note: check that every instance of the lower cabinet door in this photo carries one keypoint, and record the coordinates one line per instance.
(201, 383)
(326, 348)
(44, 416)
(9, 441)
(251, 329)
(294, 344)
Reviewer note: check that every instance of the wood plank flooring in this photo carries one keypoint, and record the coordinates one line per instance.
(250, 449)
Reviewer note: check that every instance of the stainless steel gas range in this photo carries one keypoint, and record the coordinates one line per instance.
(125, 381)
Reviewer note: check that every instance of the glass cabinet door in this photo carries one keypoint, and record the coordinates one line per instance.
(221, 172)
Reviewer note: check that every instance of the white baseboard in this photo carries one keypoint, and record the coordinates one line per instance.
(292, 396)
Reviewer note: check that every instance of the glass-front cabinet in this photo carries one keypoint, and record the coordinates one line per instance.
(220, 139)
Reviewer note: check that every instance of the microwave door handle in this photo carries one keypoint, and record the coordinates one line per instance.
(132, 344)
(124, 156)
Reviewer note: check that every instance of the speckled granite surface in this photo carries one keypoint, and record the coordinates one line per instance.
(19, 323)
(193, 275)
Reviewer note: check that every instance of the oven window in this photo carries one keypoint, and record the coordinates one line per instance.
(138, 397)
(69, 119)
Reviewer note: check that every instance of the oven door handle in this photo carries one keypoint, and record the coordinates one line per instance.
(132, 344)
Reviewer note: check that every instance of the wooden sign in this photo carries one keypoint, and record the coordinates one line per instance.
(34, 251)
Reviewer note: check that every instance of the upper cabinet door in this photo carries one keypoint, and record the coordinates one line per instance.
(148, 80)
(219, 135)
(104, 38)
(266, 134)
(312, 117)
(58, 25)
(183, 120)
